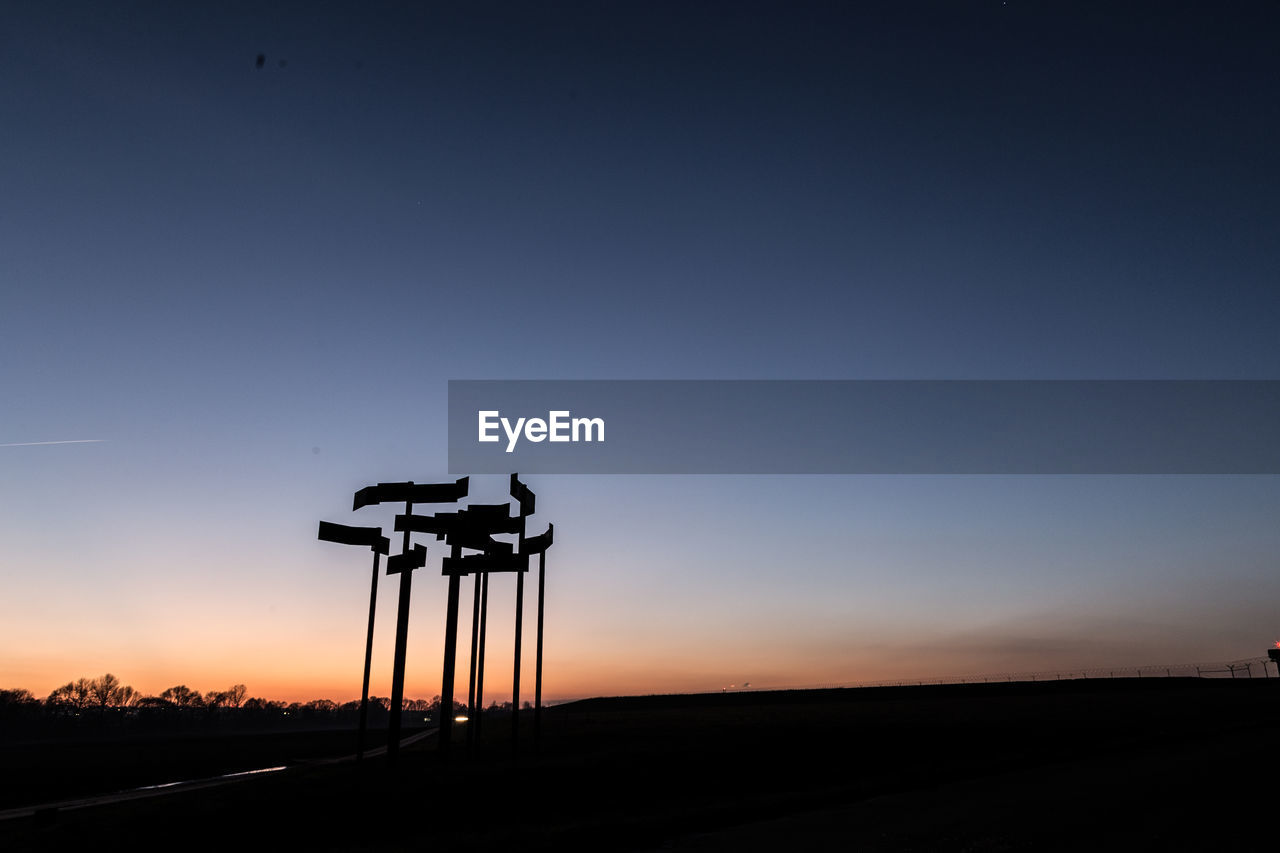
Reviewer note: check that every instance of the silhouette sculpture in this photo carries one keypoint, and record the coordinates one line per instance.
(499, 519)
(409, 493)
(372, 538)
(473, 713)
(527, 501)
(470, 528)
(539, 545)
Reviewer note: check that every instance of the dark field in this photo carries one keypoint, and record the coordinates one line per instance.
(1111, 764)
(45, 770)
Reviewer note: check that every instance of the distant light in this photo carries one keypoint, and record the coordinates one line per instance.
(461, 718)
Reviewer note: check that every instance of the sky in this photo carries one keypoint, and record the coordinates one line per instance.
(252, 285)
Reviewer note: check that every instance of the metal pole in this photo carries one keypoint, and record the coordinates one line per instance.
(368, 658)
(475, 648)
(515, 687)
(537, 678)
(515, 683)
(402, 642)
(450, 651)
(484, 618)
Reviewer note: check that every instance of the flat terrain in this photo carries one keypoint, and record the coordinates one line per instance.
(1108, 764)
(46, 770)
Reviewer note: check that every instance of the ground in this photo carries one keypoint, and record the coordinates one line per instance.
(1102, 764)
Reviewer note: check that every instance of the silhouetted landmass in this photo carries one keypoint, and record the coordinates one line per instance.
(1114, 764)
(57, 770)
(103, 708)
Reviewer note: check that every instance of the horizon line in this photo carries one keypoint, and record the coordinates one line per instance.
(69, 441)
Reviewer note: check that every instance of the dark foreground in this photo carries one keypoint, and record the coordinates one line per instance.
(1110, 765)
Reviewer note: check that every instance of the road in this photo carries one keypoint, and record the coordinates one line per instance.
(190, 784)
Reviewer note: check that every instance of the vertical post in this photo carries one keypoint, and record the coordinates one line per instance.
(484, 618)
(537, 678)
(472, 717)
(515, 687)
(368, 658)
(525, 497)
(402, 642)
(445, 736)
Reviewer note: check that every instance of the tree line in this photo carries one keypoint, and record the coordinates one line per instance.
(106, 703)
(106, 691)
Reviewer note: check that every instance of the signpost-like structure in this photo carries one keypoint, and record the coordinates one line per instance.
(473, 717)
(372, 538)
(404, 564)
(477, 703)
(527, 501)
(481, 565)
(470, 528)
(539, 545)
(492, 519)
(476, 707)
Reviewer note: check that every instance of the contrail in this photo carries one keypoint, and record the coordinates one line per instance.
(73, 441)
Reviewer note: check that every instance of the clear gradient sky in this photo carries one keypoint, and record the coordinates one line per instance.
(253, 285)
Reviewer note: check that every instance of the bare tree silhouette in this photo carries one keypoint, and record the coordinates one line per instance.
(232, 697)
(183, 696)
(106, 691)
(74, 694)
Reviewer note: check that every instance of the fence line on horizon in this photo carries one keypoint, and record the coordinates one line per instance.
(1254, 667)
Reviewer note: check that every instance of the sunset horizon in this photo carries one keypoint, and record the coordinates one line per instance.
(649, 378)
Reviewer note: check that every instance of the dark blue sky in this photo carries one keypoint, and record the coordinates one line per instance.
(254, 283)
